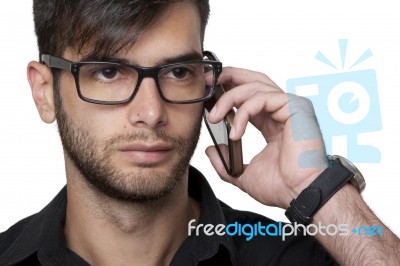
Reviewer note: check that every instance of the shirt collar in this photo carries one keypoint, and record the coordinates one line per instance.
(44, 232)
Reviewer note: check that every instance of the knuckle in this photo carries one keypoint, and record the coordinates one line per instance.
(262, 77)
(300, 103)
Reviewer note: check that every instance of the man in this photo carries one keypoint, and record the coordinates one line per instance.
(125, 82)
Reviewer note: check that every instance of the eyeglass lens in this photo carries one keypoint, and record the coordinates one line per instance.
(113, 82)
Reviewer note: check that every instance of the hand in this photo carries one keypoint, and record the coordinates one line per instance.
(292, 159)
(295, 154)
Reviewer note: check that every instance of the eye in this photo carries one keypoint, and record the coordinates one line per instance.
(179, 73)
(107, 74)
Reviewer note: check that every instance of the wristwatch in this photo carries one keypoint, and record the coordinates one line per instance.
(339, 172)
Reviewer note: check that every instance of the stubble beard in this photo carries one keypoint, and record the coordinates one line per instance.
(93, 160)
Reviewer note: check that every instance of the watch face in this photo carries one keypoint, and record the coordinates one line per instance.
(358, 179)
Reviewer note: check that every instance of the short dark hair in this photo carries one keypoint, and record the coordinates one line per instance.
(107, 25)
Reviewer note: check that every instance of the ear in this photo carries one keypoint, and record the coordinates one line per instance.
(41, 81)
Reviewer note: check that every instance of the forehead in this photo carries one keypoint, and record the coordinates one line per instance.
(177, 31)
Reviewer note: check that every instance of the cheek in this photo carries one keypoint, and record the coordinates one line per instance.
(90, 118)
(187, 119)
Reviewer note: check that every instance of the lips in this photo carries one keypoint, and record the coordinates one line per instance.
(147, 154)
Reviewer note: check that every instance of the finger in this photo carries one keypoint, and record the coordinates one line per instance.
(274, 104)
(236, 97)
(239, 76)
(280, 107)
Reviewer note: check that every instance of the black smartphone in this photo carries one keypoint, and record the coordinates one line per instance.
(229, 151)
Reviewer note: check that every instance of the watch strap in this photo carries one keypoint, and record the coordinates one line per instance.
(311, 199)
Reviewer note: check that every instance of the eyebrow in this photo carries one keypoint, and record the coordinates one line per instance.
(183, 57)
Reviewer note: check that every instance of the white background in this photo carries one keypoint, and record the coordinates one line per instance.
(278, 37)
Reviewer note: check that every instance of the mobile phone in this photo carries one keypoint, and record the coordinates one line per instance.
(229, 151)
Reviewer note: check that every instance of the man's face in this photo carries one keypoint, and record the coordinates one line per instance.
(140, 150)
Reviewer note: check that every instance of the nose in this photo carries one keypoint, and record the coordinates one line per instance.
(147, 109)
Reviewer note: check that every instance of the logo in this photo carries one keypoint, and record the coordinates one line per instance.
(281, 230)
(346, 104)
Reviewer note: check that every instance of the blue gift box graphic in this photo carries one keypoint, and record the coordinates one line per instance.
(346, 104)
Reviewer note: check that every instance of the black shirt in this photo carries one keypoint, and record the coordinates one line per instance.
(39, 239)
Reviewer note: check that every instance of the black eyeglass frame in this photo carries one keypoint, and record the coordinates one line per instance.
(73, 67)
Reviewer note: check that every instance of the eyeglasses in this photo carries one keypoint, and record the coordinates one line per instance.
(114, 83)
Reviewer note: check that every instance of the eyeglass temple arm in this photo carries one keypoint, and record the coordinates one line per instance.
(211, 55)
(56, 62)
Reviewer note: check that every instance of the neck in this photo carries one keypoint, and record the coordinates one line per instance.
(105, 231)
